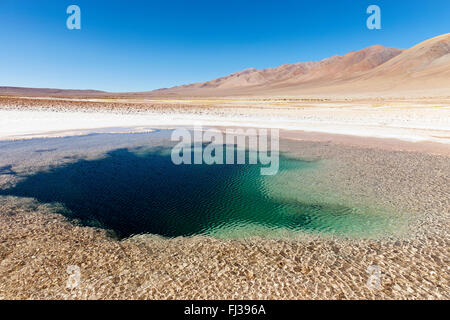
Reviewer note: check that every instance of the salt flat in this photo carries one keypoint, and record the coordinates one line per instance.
(408, 121)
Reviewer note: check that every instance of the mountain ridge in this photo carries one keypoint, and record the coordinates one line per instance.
(375, 71)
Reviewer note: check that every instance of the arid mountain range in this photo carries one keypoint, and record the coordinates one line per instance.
(376, 71)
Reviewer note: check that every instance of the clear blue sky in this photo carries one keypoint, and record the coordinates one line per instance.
(143, 45)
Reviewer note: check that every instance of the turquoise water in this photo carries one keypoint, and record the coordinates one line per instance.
(138, 190)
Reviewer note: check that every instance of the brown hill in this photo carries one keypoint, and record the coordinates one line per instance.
(45, 92)
(379, 71)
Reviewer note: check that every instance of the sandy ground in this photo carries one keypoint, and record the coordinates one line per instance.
(39, 248)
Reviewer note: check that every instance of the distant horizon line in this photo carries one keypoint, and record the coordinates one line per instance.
(162, 88)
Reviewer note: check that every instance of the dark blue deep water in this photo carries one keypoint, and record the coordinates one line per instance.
(134, 191)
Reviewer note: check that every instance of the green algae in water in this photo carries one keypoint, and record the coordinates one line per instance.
(142, 191)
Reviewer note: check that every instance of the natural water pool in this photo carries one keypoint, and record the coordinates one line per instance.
(134, 188)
